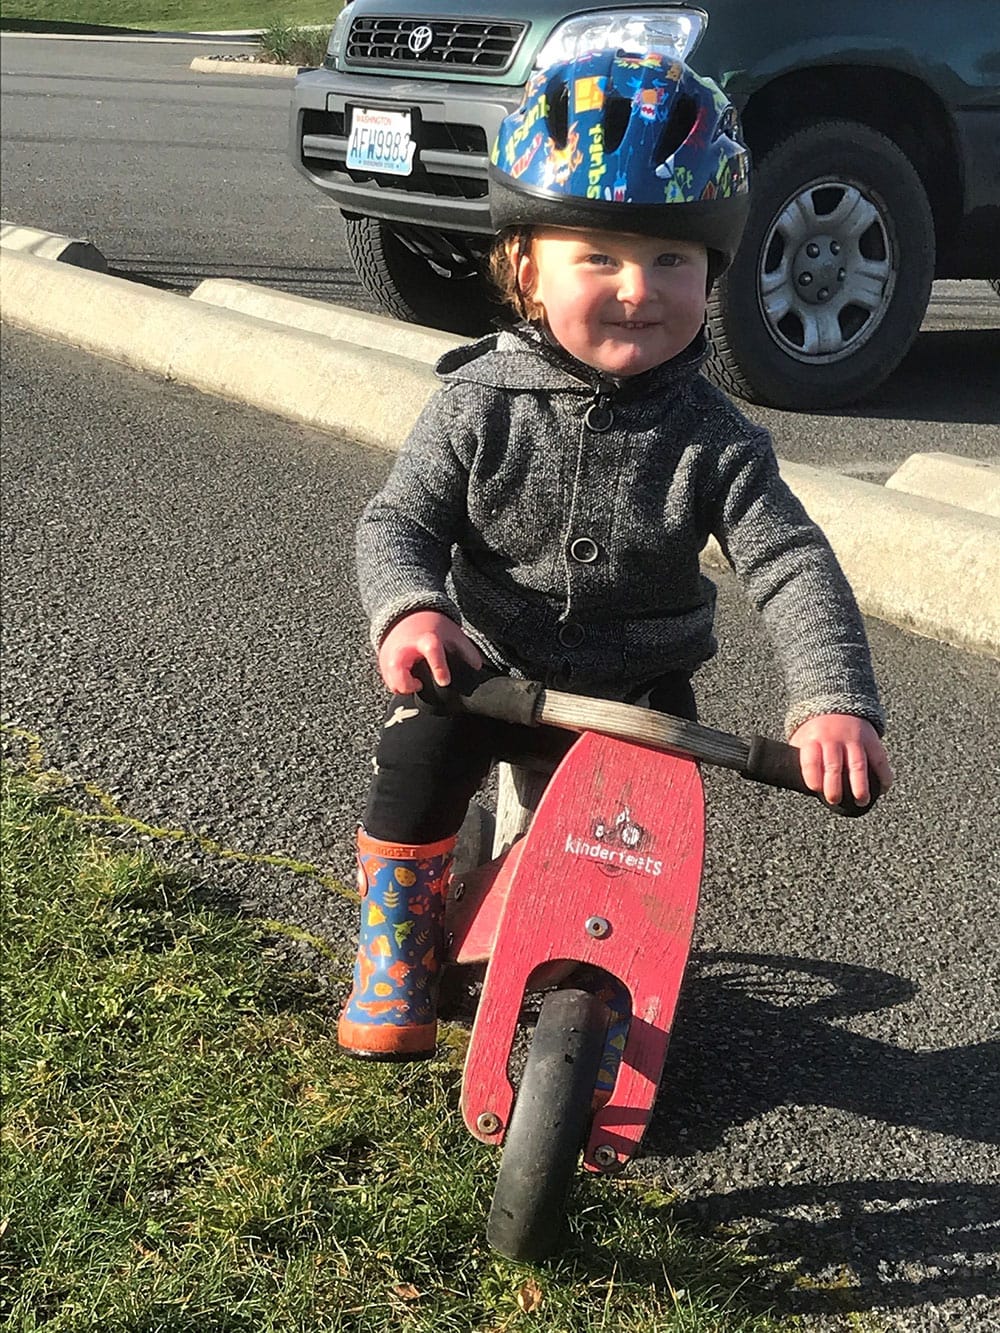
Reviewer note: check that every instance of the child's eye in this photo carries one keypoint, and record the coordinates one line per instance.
(669, 260)
(599, 259)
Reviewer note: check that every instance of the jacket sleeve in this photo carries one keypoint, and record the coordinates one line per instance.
(795, 581)
(406, 532)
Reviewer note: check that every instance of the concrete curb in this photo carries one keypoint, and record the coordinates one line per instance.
(919, 563)
(966, 482)
(929, 567)
(208, 65)
(29, 240)
(356, 393)
(335, 321)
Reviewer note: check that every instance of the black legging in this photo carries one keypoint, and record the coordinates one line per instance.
(429, 766)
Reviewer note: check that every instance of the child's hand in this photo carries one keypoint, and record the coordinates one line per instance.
(423, 636)
(833, 742)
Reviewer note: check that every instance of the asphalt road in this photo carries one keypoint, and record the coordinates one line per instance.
(180, 628)
(175, 176)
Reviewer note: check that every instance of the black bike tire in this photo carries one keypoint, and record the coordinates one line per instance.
(551, 1116)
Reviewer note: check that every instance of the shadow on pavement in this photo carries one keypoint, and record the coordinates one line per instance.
(948, 375)
(768, 1021)
(56, 26)
(754, 1033)
(899, 1244)
(330, 282)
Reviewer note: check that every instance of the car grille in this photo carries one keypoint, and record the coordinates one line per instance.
(454, 45)
(324, 149)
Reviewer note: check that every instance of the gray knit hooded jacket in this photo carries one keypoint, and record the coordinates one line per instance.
(558, 516)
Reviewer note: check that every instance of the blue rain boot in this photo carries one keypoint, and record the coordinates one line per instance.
(390, 1013)
(615, 995)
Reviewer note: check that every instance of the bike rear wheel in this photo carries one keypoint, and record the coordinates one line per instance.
(550, 1120)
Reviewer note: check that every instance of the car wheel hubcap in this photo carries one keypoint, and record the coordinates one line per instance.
(827, 272)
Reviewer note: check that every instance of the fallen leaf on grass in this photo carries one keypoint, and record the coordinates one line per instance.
(406, 1291)
(146, 1254)
(529, 1296)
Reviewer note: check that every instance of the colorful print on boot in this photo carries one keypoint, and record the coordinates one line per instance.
(390, 1013)
(615, 995)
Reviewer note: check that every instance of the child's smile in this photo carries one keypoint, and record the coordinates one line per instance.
(621, 303)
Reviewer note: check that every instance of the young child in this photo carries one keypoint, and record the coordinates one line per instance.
(547, 512)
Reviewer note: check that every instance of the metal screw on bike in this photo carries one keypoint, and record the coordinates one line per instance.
(605, 1156)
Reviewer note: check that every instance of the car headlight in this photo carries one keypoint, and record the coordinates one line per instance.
(672, 33)
(340, 26)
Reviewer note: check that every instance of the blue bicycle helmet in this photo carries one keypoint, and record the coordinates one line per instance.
(619, 142)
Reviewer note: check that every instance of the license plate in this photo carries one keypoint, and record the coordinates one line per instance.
(380, 141)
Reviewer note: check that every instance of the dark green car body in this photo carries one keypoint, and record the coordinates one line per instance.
(874, 126)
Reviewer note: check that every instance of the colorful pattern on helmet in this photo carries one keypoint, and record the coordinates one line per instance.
(623, 129)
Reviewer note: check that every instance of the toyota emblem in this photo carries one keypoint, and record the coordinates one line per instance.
(420, 39)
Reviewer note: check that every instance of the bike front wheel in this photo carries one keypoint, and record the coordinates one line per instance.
(551, 1116)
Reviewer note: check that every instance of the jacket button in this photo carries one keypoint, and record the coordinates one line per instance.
(571, 634)
(599, 417)
(584, 549)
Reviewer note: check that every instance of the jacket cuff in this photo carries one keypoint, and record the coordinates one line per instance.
(859, 706)
(386, 616)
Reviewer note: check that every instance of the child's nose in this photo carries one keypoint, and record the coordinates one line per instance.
(634, 284)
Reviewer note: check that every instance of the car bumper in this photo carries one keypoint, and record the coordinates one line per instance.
(454, 126)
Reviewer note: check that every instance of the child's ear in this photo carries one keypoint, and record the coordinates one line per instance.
(525, 269)
(526, 279)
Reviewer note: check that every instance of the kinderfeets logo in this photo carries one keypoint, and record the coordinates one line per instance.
(617, 845)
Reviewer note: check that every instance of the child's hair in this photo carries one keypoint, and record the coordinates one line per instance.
(509, 246)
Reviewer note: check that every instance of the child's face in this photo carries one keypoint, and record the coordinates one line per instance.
(621, 303)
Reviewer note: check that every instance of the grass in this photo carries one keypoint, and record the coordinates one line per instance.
(166, 15)
(288, 44)
(186, 1152)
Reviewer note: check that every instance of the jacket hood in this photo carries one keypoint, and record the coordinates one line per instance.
(525, 358)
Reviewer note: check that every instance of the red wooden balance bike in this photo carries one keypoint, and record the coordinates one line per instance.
(598, 900)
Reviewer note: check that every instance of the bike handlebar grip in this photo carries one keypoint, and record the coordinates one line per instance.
(506, 700)
(484, 692)
(445, 699)
(775, 764)
(778, 765)
(432, 696)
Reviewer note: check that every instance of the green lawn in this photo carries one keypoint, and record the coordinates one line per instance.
(165, 15)
(185, 1150)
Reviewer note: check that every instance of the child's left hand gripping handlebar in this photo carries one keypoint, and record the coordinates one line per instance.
(528, 703)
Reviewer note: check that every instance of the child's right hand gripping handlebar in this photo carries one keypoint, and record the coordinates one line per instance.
(528, 703)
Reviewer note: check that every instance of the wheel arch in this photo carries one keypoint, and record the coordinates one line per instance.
(886, 100)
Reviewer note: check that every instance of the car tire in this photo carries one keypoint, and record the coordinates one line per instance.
(833, 275)
(407, 287)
